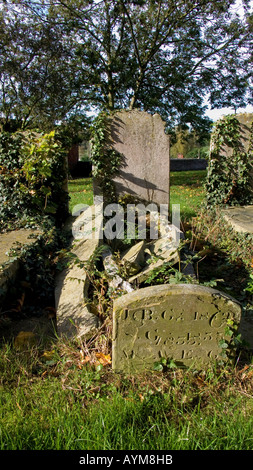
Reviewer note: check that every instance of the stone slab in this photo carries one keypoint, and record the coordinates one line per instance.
(112, 270)
(74, 318)
(8, 240)
(183, 322)
(9, 266)
(133, 259)
(162, 248)
(145, 148)
(241, 218)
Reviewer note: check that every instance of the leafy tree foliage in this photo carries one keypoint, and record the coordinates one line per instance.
(189, 143)
(36, 80)
(159, 55)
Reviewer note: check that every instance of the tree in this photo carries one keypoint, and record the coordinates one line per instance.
(35, 71)
(159, 55)
(187, 142)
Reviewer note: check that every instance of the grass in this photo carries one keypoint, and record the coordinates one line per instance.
(80, 191)
(62, 404)
(186, 189)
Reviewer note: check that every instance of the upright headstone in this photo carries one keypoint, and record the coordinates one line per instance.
(246, 123)
(145, 148)
(183, 322)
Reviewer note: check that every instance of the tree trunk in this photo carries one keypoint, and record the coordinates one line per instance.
(137, 89)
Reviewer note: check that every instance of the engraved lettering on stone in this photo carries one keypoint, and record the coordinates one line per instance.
(125, 315)
(185, 324)
(138, 315)
(218, 319)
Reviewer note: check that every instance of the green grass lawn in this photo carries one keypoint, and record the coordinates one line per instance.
(80, 192)
(186, 189)
(60, 403)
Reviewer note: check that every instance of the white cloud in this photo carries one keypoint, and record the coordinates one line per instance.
(215, 114)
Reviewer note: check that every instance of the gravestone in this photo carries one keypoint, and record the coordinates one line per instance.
(9, 265)
(73, 312)
(246, 123)
(145, 149)
(183, 322)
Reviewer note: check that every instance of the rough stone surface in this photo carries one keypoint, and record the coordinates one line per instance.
(8, 240)
(145, 150)
(241, 218)
(88, 224)
(112, 269)
(133, 259)
(74, 318)
(9, 266)
(162, 248)
(245, 120)
(183, 322)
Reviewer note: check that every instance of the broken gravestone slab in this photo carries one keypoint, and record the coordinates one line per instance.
(157, 253)
(133, 259)
(182, 322)
(145, 149)
(241, 218)
(9, 265)
(74, 318)
(115, 281)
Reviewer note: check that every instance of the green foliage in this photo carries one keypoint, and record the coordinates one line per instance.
(249, 287)
(231, 341)
(167, 274)
(106, 161)
(62, 57)
(228, 178)
(32, 175)
(165, 364)
(39, 262)
(226, 254)
(189, 143)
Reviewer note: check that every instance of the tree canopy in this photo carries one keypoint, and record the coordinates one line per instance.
(62, 57)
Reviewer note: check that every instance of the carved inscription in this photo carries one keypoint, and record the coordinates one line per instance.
(184, 326)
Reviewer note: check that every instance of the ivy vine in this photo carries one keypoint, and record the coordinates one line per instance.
(228, 177)
(106, 160)
(32, 176)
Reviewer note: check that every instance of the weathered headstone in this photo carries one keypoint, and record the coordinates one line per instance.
(183, 322)
(145, 148)
(9, 266)
(245, 121)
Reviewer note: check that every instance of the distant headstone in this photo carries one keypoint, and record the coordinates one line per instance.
(246, 121)
(183, 322)
(145, 148)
